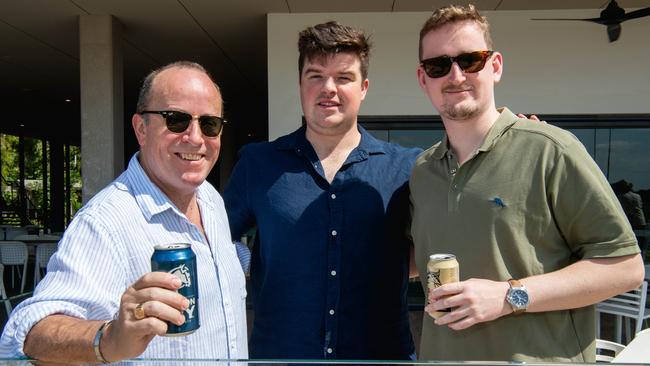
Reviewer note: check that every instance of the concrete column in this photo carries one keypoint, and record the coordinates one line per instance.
(102, 102)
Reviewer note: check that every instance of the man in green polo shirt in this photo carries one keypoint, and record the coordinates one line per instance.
(512, 199)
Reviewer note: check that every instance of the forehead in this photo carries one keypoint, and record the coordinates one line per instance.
(452, 39)
(339, 62)
(178, 84)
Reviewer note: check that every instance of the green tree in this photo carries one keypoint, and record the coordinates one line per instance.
(10, 168)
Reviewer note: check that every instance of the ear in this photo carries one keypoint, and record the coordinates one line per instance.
(497, 66)
(364, 88)
(422, 79)
(139, 128)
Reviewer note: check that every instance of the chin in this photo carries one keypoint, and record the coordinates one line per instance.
(194, 180)
(460, 112)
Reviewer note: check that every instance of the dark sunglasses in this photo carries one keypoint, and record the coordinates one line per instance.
(440, 66)
(178, 122)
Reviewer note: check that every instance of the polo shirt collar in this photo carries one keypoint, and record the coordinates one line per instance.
(442, 149)
(502, 124)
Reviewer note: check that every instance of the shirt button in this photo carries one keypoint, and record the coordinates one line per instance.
(316, 166)
(333, 273)
(329, 350)
(333, 196)
(453, 170)
(333, 232)
(454, 187)
(331, 311)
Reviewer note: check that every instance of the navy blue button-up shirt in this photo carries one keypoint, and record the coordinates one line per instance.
(329, 266)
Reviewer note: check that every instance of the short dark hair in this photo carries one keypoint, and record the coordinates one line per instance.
(453, 14)
(330, 38)
(145, 90)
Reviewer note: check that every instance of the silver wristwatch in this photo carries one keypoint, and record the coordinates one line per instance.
(517, 296)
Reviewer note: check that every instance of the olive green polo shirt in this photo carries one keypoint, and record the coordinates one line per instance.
(530, 201)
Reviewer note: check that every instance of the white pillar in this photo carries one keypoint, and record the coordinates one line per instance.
(102, 102)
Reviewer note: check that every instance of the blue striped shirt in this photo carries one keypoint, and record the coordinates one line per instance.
(108, 246)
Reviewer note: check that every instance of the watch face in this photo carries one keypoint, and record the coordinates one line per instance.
(519, 298)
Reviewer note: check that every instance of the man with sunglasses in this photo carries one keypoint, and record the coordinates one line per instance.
(330, 262)
(531, 219)
(100, 302)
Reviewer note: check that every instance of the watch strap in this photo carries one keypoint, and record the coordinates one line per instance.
(515, 283)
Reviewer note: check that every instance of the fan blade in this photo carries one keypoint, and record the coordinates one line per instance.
(636, 14)
(593, 20)
(586, 20)
(614, 31)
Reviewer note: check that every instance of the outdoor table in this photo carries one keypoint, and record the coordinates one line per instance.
(38, 239)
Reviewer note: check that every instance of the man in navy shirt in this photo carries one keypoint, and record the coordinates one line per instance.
(330, 263)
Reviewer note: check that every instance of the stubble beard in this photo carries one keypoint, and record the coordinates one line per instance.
(459, 112)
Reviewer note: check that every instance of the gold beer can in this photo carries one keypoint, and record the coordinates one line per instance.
(441, 269)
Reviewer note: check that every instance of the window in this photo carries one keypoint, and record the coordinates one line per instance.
(620, 145)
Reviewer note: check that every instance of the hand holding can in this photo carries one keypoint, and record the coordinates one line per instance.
(180, 260)
(441, 269)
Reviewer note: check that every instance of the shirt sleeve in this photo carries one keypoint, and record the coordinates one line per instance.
(85, 279)
(585, 208)
(244, 255)
(235, 196)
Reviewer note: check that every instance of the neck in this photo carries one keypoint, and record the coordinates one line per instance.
(186, 204)
(184, 200)
(465, 136)
(326, 145)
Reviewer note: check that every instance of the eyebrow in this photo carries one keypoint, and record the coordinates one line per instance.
(312, 69)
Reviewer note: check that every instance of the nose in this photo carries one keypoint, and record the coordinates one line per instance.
(456, 73)
(329, 86)
(193, 134)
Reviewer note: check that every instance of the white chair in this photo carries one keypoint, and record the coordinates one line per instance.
(43, 254)
(3, 292)
(15, 254)
(631, 305)
(607, 350)
(638, 351)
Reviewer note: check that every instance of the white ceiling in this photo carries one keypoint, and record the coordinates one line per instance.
(39, 51)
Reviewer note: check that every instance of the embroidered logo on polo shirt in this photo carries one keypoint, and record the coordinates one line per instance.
(498, 202)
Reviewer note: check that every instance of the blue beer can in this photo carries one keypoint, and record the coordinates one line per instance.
(179, 260)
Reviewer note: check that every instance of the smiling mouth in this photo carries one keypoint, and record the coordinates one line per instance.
(189, 157)
(457, 90)
(329, 104)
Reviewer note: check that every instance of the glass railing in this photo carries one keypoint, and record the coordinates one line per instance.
(180, 362)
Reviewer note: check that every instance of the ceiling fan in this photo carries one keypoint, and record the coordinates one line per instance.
(612, 16)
